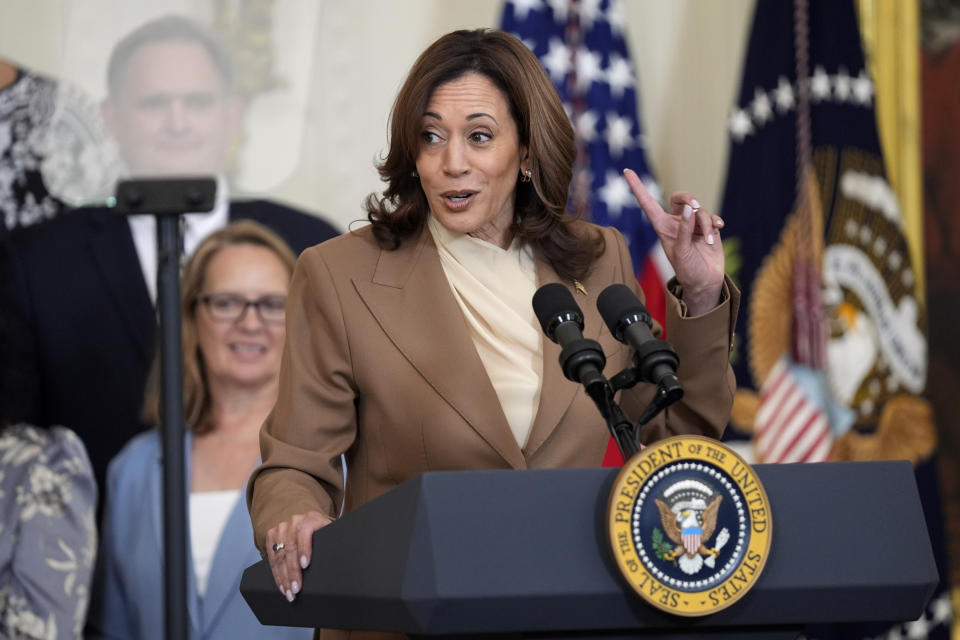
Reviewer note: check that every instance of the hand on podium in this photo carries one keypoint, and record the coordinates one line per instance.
(289, 549)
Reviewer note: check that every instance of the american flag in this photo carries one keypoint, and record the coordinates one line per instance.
(789, 426)
(582, 46)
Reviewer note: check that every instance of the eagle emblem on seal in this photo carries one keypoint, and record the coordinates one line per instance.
(688, 514)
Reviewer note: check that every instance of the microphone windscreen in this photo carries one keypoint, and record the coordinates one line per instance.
(617, 301)
(552, 300)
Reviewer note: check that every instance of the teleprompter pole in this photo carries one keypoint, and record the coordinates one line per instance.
(174, 466)
(168, 200)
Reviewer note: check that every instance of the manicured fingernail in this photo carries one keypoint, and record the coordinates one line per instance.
(295, 586)
(280, 586)
(687, 212)
(718, 222)
(696, 205)
(709, 238)
(303, 562)
(289, 596)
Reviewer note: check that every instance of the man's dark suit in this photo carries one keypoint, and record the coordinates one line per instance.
(83, 323)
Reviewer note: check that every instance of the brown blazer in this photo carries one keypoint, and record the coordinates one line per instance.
(379, 363)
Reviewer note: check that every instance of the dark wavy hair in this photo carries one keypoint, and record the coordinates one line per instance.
(543, 127)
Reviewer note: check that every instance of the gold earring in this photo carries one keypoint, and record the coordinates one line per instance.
(526, 176)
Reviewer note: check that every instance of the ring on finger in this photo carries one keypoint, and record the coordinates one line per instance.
(278, 546)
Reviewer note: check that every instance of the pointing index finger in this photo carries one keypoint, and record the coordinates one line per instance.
(647, 202)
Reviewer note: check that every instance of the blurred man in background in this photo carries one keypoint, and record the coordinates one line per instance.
(81, 289)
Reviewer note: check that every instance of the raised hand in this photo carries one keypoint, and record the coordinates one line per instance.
(691, 240)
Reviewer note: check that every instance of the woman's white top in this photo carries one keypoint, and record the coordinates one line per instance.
(209, 512)
(494, 288)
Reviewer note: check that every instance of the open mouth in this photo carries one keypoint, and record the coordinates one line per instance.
(457, 200)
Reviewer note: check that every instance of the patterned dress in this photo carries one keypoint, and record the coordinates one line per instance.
(54, 151)
(48, 536)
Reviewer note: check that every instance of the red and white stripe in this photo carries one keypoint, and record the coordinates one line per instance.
(790, 426)
(691, 542)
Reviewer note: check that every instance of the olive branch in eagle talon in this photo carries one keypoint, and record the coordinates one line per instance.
(660, 548)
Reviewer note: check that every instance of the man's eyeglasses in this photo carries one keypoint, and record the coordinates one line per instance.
(231, 307)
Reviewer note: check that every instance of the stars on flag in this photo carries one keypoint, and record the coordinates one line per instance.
(590, 13)
(617, 17)
(522, 8)
(618, 134)
(586, 126)
(767, 104)
(589, 68)
(783, 95)
(557, 60)
(842, 85)
(559, 8)
(819, 85)
(619, 75)
(616, 194)
(863, 88)
(740, 124)
(761, 107)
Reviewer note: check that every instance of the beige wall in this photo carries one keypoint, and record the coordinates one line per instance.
(688, 54)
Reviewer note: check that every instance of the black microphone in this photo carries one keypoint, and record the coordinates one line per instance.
(582, 360)
(629, 322)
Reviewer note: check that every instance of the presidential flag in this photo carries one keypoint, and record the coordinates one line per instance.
(831, 349)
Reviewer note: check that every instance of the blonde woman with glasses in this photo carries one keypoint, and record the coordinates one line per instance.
(234, 297)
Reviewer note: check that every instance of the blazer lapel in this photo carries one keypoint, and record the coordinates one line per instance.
(411, 300)
(111, 245)
(557, 393)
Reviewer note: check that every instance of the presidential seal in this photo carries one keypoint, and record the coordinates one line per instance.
(689, 525)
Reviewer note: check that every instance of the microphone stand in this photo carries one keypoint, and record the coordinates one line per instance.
(582, 359)
(623, 432)
(668, 392)
(168, 200)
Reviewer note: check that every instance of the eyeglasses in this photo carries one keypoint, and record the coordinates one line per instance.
(231, 307)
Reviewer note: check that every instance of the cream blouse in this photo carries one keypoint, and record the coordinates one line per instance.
(494, 288)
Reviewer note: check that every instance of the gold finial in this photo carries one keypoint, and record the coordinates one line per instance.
(579, 287)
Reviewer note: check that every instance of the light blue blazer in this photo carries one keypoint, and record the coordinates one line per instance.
(127, 601)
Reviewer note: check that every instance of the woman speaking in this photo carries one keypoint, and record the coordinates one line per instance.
(412, 344)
